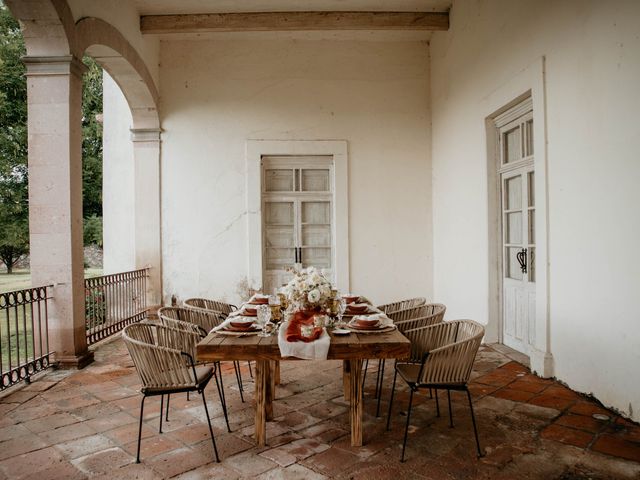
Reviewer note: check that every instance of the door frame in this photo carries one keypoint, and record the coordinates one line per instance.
(529, 82)
(255, 150)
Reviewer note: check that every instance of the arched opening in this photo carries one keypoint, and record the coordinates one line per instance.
(59, 127)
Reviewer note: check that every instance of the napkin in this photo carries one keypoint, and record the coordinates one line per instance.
(293, 344)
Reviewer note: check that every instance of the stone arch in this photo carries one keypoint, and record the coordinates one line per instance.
(114, 53)
(48, 27)
(50, 31)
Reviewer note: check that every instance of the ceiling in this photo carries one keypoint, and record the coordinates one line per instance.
(168, 7)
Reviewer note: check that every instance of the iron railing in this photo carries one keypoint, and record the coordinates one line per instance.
(114, 301)
(24, 337)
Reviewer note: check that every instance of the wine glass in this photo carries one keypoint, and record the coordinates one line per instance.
(342, 306)
(264, 316)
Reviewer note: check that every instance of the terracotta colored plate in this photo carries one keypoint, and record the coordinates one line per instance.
(234, 329)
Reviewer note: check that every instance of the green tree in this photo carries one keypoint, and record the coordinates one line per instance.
(14, 213)
(92, 140)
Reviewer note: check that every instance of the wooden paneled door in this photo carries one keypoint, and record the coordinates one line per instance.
(518, 228)
(298, 227)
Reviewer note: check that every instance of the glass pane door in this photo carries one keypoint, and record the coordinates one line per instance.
(279, 234)
(315, 228)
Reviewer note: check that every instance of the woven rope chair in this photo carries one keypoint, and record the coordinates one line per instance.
(205, 305)
(165, 365)
(442, 357)
(205, 321)
(212, 305)
(388, 308)
(167, 321)
(406, 319)
(402, 304)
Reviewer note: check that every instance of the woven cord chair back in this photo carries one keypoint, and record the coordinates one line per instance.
(207, 304)
(156, 352)
(451, 348)
(205, 319)
(422, 316)
(402, 305)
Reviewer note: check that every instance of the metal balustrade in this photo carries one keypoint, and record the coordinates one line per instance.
(113, 302)
(24, 337)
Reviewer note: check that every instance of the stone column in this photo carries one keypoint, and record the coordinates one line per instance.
(54, 89)
(146, 155)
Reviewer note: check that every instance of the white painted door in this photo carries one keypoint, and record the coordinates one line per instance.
(297, 205)
(518, 232)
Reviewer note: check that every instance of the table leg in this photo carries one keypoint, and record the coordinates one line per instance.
(271, 390)
(355, 407)
(276, 373)
(345, 379)
(262, 385)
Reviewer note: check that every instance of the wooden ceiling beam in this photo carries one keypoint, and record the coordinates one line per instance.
(288, 21)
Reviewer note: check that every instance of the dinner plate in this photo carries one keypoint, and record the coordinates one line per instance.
(341, 331)
(247, 314)
(229, 328)
(360, 327)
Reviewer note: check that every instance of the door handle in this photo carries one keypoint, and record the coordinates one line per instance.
(299, 254)
(295, 253)
(521, 256)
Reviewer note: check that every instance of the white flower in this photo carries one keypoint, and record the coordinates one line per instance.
(314, 296)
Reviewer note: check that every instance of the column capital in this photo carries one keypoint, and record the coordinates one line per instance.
(61, 65)
(145, 134)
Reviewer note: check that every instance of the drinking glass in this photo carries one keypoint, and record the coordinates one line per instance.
(342, 306)
(264, 316)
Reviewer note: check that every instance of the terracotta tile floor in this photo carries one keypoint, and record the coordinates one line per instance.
(84, 424)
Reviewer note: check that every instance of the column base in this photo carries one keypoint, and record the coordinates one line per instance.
(70, 362)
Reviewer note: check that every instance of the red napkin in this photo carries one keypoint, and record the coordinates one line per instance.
(293, 333)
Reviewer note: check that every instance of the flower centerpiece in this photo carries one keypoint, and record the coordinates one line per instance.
(308, 290)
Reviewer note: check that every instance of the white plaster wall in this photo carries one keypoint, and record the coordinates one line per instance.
(118, 181)
(592, 51)
(218, 93)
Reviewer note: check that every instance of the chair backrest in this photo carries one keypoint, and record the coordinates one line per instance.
(156, 351)
(402, 304)
(451, 348)
(205, 319)
(208, 304)
(415, 317)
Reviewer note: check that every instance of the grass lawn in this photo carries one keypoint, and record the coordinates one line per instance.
(20, 279)
(16, 336)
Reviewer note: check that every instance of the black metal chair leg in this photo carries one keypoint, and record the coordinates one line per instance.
(380, 387)
(161, 411)
(437, 403)
(140, 428)
(167, 414)
(406, 428)
(430, 393)
(364, 375)
(250, 371)
(377, 381)
(450, 410)
(473, 419)
(239, 380)
(213, 439)
(188, 397)
(393, 389)
(222, 399)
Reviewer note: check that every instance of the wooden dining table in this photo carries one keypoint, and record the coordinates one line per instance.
(352, 349)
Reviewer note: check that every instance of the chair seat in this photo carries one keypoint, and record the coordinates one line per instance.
(203, 375)
(411, 371)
